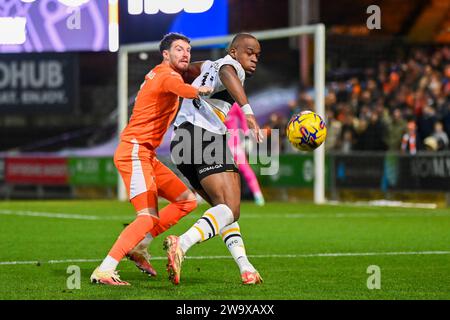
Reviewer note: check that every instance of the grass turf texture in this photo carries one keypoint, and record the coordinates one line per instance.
(291, 231)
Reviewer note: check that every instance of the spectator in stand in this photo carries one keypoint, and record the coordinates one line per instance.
(372, 87)
(372, 138)
(342, 92)
(426, 122)
(334, 129)
(395, 127)
(330, 102)
(446, 117)
(275, 121)
(369, 111)
(446, 80)
(306, 102)
(365, 99)
(279, 123)
(441, 136)
(347, 140)
(431, 144)
(410, 143)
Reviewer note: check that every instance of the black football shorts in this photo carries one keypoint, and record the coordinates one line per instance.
(198, 153)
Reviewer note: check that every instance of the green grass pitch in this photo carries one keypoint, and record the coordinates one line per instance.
(303, 251)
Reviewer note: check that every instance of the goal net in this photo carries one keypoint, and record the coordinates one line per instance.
(278, 89)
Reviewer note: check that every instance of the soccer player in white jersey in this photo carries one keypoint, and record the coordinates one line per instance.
(214, 175)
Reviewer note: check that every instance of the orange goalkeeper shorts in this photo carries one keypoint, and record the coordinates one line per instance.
(145, 177)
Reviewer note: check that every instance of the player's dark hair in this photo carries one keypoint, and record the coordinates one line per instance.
(167, 40)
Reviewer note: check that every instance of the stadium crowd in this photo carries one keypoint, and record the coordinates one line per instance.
(401, 105)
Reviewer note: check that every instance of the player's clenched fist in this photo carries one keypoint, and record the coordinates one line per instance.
(204, 91)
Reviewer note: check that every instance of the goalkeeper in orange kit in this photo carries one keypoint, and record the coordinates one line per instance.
(145, 177)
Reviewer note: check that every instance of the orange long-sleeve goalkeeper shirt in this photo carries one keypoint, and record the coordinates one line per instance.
(156, 105)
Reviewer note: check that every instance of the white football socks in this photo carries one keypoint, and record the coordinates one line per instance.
(145, 242)
(109, 263)
(213, 220)
(231, 235)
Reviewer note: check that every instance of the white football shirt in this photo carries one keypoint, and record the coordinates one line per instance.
(209, 112)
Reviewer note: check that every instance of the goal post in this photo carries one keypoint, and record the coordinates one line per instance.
(318, 33)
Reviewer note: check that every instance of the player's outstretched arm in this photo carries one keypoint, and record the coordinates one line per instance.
(230, 80)
(174, 83)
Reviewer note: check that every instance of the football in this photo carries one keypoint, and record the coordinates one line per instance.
(306, 131)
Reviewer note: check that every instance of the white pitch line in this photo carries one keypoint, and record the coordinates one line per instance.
(384, 203)
(306, 255)
(8, 263)
(57, 215)
(243, 216)
(342, 215)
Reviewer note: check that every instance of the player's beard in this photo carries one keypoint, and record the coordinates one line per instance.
(177, 64)
(184, 67)
(181, 67)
